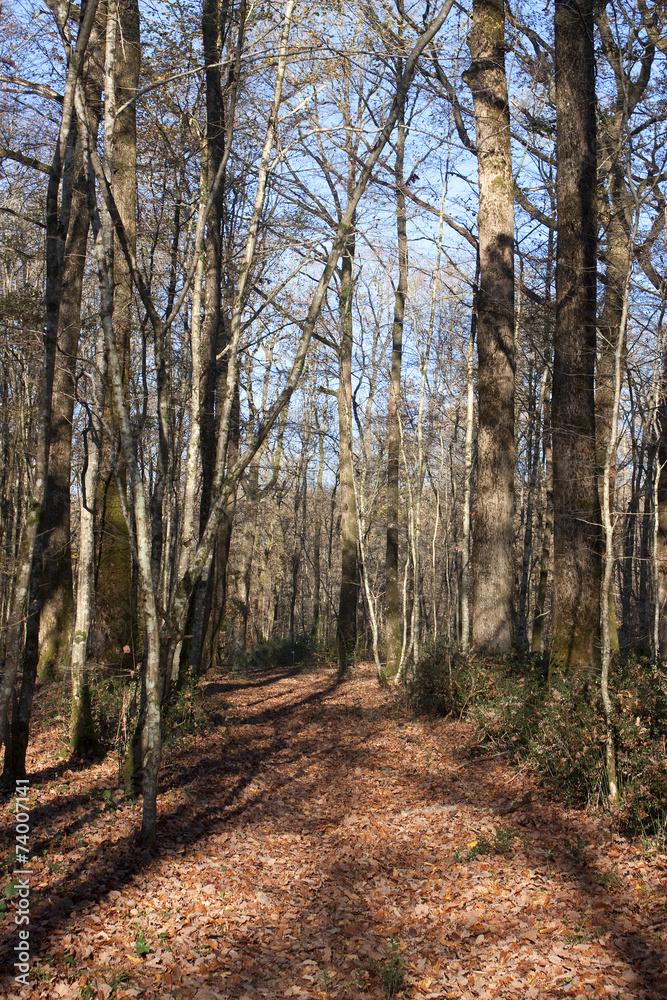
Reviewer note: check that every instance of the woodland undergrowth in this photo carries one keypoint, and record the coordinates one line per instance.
(556, 730)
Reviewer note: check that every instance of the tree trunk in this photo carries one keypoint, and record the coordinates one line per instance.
(243, 567)
(150, 726)
(57, 608)
(82, 732)
(57, 604)
(317, 630)
(393, 629)
(29, 580)
(606, 597)
(300, 493)
(493, 532)
(533, 457)
(467, 476)
(546, 518)
(577, 568)
(660, 554)
(115, 603)
(349, 583)
(212, 326)
(619, 257)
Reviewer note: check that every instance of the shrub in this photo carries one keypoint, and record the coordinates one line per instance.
(560, 732)
(446, 682)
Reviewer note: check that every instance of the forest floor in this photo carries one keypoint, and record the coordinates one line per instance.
(316, 840)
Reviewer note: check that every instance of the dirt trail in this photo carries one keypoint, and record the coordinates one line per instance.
(316, 841)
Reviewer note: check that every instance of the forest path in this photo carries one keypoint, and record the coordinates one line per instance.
(317, 841)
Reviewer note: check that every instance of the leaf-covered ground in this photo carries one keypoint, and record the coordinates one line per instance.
(317, 841)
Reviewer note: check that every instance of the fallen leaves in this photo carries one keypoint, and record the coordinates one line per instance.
(296, 842)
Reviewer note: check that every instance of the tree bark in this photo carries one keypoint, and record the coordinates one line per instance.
(493, 532)
(533, 448)
(318, 620)
(212, 333)
(577, 567)
(82, 732)
(29, 581)
(467, 475)
(606, 597)
(115, 603)
(349, 582)
(545, 521)
(393, 625)
(243, 566)
(660, 555)
(57, 607)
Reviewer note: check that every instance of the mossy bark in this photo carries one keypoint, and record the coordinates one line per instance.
(577, 539)
(83, 734)
(115, 613)
(115, 600)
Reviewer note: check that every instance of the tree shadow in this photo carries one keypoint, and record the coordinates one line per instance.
(268, 770)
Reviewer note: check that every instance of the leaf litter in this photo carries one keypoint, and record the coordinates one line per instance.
(317, 841)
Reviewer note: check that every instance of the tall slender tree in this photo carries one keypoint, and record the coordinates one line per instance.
(393, 626)
(56, 610)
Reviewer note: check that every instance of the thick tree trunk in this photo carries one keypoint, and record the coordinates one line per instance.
(577, 567)
(115, 601)
(149, 735)
(210, 593)
(17, 621)
(493, 534)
